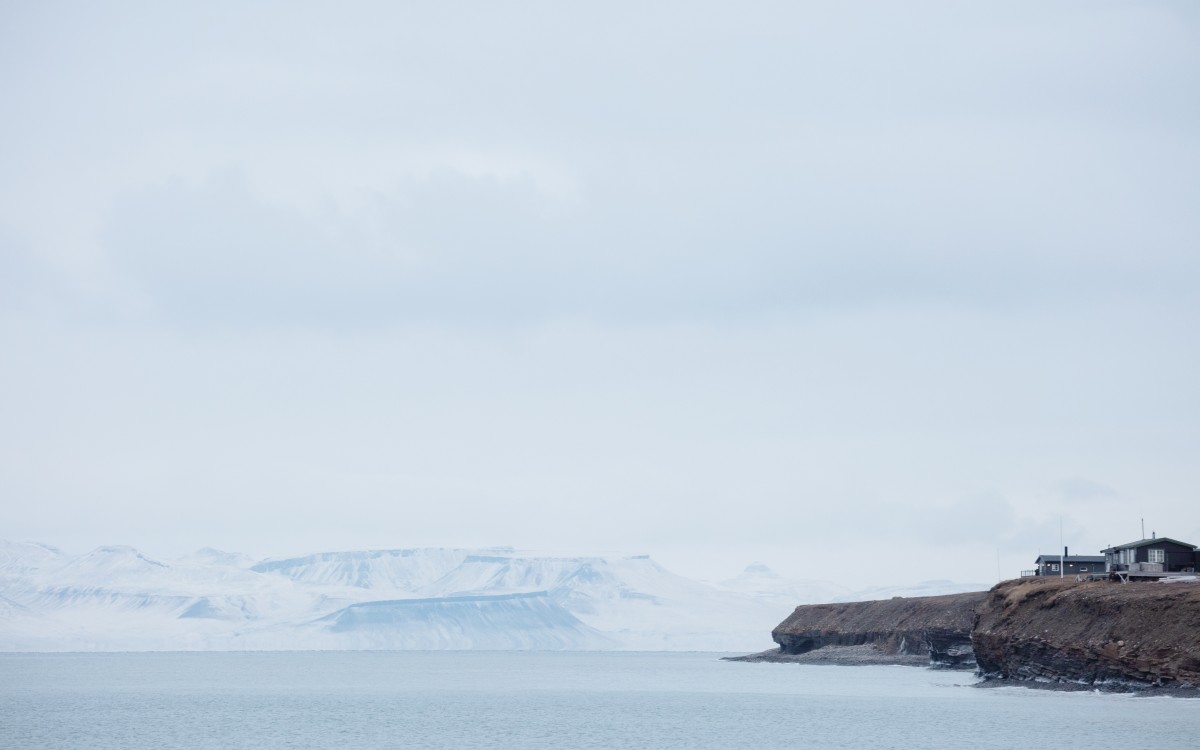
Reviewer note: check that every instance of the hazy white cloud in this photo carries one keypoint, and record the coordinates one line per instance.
(763, 282)
(1081, 490)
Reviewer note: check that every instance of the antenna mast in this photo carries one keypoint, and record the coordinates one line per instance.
(1062, 559)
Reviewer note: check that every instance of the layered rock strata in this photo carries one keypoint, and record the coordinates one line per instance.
(930, 629)
(1042, 632)
(1096, 634)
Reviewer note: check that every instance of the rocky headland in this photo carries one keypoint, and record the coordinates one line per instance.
(923, 630)
(1040, 632)
(1103, 634)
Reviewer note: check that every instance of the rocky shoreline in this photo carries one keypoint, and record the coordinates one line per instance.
(1043, 633)
(929, 630)
(1102, 635)
(862, 655)
(1135, 689)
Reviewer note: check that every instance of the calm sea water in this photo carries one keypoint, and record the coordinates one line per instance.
(545, 700)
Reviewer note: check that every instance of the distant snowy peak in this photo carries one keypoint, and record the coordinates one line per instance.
(760, 581)
(758, 570)
(393, 569)
(597, 577)
(758, 577)
(120, 554)
(113, 562)
(210, 556)
(26, 556)
(479, 573)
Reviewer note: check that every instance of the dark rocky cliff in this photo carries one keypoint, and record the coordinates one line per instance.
(937, 628)
(1044, 632)
(1103, 633)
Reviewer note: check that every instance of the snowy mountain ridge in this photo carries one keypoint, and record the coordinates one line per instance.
(115, 598)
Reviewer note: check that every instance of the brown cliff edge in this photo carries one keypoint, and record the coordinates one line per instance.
(920, 631)
(1102, 634)
(1040, 632)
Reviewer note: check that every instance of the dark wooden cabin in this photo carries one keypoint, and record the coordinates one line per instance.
(1071, 565)
(1174, 556)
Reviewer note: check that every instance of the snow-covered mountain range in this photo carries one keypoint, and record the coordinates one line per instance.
(116, 599)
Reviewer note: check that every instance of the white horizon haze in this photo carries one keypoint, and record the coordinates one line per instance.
(871, 294)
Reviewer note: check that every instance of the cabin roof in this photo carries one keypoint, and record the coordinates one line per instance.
(1146, 542)
(1070, 559)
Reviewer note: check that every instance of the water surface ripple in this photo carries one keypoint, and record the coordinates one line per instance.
(544, 700)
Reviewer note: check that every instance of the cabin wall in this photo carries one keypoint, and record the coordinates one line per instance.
(1177, 557)
(1070, 568)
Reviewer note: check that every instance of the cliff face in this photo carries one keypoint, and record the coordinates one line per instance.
(1138, 634)
(1042, 630)
(937, 627)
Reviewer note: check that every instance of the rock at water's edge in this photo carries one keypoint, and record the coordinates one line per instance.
(933, 630)
(1135, 635)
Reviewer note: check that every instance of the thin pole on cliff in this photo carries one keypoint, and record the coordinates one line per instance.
(1062, 558)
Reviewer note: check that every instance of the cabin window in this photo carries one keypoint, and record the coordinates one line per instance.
(1053, 566)
(1157, 555)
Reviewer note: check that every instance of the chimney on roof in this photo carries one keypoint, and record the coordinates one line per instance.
(1153, 535)
(1066, 553)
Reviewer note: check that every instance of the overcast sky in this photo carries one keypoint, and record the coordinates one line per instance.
(874, 292)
